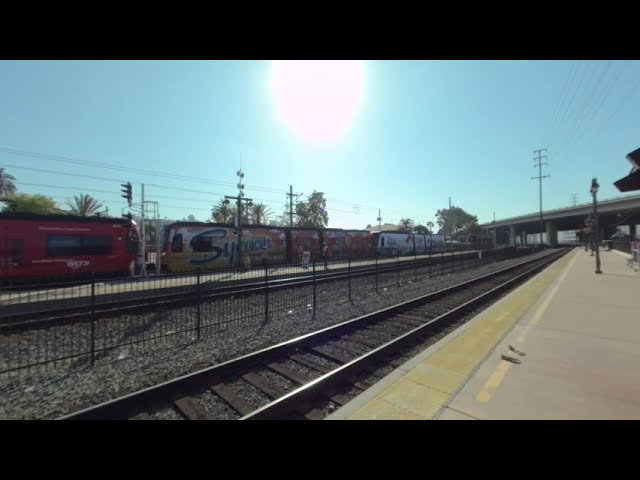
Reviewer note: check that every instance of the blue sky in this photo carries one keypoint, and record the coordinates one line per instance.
(422, 131)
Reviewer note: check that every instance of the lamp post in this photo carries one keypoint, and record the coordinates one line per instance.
(594, 192)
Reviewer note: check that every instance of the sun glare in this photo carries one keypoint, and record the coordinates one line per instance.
(318, 99)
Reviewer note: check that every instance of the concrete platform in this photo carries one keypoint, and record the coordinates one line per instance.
(580, 336)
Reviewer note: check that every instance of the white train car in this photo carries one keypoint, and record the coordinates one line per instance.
(398, 244)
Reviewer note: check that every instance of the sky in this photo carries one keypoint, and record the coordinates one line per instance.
(400, 136)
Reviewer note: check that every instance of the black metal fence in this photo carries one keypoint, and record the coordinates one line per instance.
(108, 320)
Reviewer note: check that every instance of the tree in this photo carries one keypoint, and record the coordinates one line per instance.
(24, 203)
(313, 212)
(260, 213)
(282, 220)
(223, 212)
(7, 187)
(406, 225)
(453, 220)
(84, 205)
(421, 229)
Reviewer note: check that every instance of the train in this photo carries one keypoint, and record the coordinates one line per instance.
(189, 246)
(43, 247)
(36, 247)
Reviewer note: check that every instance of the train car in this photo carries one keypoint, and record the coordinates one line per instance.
(347, 243)
(305, 240)
(391, 244)
(61, 246)
(434, 243)
(358, 244)
(190, 246)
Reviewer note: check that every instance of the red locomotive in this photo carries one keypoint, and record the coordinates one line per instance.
(63, 246)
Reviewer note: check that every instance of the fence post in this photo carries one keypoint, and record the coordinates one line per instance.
(398, 265)
(377, 275)
(93, 318)
(266, 294)
(453, 252)
(442, 259)
(314, 289)
(199, 301)
(415, 267)
(349, 279)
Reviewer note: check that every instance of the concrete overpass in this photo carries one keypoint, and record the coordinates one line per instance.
(611, 214)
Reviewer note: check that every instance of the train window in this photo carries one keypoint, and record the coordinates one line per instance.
(17, 253)
(201, 244)
(65, 245)
(176, 244)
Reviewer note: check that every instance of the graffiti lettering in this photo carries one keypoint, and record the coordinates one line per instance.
(76, 264)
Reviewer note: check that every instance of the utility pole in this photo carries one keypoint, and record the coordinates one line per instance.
(143, 267)
(379, 221)
(574, 198)
(239, 199)
(540, 177)
(291, 195)
(453, 219)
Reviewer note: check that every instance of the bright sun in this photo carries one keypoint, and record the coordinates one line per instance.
(317, 98)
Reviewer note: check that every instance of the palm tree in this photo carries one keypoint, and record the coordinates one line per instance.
(84, 205)
(223, 212)
(7, 187)
(260, 213)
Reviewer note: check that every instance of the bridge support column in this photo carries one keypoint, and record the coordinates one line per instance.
(552, 234)
(512, 235)
(632, 231)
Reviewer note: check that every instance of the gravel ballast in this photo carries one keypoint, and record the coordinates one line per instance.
(52, 392)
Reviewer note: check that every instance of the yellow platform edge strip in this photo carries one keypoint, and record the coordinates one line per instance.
(427, 388)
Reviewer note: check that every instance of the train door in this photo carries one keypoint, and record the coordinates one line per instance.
(4, 254)
(11, 253)
(288, 246)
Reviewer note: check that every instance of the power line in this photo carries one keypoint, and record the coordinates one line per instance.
(564, 94)
(149, 172)
(146, 172)
(589, 99)
(59, 158)
(624, 101)
(569, 106)
(594, 112)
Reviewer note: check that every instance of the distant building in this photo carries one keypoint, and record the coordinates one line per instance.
(387, 227)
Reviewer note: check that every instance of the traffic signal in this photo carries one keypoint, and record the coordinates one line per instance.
(128, 192)
(632, 181)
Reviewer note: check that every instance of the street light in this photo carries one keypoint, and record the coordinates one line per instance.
(594, 192)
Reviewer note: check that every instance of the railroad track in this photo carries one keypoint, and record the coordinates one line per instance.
(308, 376)
(163, 298)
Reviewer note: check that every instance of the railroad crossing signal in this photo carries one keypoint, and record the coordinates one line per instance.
(127, 190)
